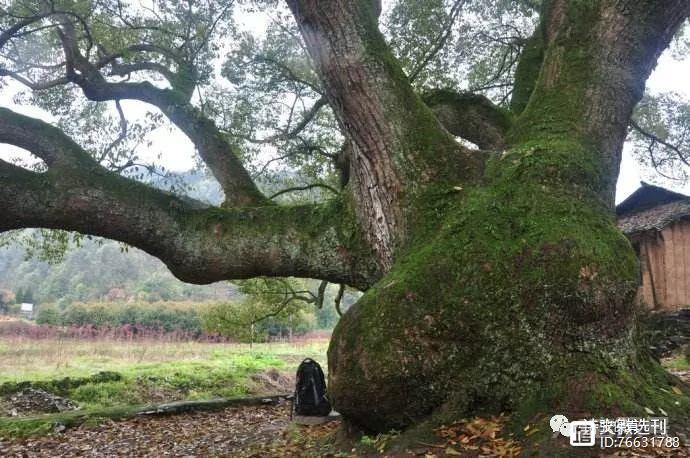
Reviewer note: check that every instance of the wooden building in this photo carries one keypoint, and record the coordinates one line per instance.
(657, 221)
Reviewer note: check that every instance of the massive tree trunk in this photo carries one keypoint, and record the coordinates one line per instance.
(495, 279)
(507, 285)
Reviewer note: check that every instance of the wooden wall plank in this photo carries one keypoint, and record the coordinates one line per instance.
(685, 279)
(669, 268)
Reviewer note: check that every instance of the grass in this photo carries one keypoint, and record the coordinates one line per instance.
(677, 363)
(151, 372)
(11, 427)
(28, 359)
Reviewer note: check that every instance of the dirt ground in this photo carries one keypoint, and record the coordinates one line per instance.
(237, 432)
(259, 431)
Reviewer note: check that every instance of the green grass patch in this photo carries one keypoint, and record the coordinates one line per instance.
(44, 424)
(677, 363)
(141, 383)
(50, 359)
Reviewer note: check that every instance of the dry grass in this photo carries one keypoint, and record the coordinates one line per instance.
(30, 359)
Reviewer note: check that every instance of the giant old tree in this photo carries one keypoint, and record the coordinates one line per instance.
(479, 225)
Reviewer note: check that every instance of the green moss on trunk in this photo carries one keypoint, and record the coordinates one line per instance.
(517, 297)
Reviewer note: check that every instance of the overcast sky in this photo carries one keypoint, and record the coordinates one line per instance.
(670, 75)
(178, 152)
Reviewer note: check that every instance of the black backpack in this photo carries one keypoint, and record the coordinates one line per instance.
(310, 390)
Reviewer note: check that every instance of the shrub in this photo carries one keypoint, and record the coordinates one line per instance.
(256, 321)
(165, 316)
(48, 314)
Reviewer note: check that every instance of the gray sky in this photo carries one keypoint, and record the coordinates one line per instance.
(670, 75)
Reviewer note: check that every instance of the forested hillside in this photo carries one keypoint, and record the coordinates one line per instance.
(98, 270)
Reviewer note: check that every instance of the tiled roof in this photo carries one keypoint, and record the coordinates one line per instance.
(655, 218)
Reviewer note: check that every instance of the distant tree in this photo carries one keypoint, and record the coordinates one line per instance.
(28, 296)
(116, 294)
(7, 298)
(270, 307)
(48, 314)
(19, 297)
(77, 315)
(90, 272)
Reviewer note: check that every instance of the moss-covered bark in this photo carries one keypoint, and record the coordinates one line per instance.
(518, 299)
(516, 294)
(470, 116)
(397, 145)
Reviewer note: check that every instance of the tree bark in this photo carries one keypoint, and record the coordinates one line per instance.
(398, 146)
(513, 292)
(198, 243)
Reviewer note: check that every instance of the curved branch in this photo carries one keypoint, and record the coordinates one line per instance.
(282, 306)
(339, 299)
(292, 133)
(33, 85)
(52, 146)
(287, 72)
(216, 152)
(656, 164)
(656, 139)
(121, 136)
(140, 47)
(470, 116)
(117, 69)
(304, 188)
(198, 243)
(321, 294)
(12, 31)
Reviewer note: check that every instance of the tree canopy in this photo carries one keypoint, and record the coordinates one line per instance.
(257, 87)
(236, 76)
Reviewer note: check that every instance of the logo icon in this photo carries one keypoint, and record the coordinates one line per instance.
(559, 423)
(582, 433)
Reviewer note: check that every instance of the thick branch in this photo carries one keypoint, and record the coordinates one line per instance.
(198, 243)
(11, 31)
(51, 145)
(118, 69)
(470, 116)
(107, 58)
(597, 58)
